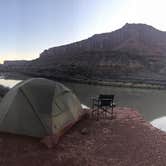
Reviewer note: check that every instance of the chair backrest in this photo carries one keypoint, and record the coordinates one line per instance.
(106, 100)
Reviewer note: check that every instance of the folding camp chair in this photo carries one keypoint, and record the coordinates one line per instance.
(103, 105)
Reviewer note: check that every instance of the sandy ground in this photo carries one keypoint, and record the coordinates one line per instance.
(127, 140)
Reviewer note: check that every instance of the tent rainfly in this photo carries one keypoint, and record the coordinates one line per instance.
(38, 107)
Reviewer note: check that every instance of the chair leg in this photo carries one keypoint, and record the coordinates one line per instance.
(112, 113)
(93, 113)
(98, 114)
(104, 113)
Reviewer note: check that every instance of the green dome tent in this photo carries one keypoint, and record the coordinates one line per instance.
(38, 107)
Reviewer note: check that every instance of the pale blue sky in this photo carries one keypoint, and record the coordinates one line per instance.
(27, 27)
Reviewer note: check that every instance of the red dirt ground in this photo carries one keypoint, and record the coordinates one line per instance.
(127, 140)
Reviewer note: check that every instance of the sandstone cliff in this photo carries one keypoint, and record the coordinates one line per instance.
(134, 52)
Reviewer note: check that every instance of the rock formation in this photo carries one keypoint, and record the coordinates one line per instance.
(135, 52)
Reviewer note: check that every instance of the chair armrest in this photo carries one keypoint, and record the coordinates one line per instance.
(113, 105)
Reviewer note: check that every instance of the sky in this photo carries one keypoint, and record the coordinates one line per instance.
(27, 27)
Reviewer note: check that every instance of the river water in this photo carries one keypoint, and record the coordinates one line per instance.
(151, 103)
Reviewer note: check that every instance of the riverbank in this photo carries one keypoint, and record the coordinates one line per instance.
(112, 82)
(118, 83)
(126, 140)
(115, 83)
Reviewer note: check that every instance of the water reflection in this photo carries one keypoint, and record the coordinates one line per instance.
(9, 83)
(160, 123)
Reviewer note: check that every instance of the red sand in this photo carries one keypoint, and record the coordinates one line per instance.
(127, 140)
